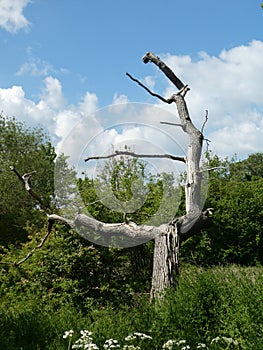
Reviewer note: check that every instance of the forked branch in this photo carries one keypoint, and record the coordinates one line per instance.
(25, 179)
(169, 100)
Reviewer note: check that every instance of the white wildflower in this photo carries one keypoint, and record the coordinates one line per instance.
(130, 337)
(186, 347)
(215, 340)
(68, 334)
(169, 344)
(85, 341)
(85, 333)
(142, 335)
(201, 345)
(111, 344)
(91, 346)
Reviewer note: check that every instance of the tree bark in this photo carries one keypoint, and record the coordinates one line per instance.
(166, 251)
(165, 260)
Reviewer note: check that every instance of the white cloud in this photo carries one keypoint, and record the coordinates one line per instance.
(119, 103)
(35, 67)
(11, 15)
(52, 96)
(14, 103)
(51, 111)
(230, 88)
(117, 99)
(149, 81)
(89, 104)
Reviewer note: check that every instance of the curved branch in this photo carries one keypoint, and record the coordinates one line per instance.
(25, 179)
(150, 57)
(40, 245)
(109, 232)
(135, 155)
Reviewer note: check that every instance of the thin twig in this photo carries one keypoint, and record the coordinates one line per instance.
(207, 144)
(213, 168)
(206, 119)
(173, 124)
(169, 101)
(40, 245)
(51, 220)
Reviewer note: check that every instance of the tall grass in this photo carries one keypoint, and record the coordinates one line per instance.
(223, 301)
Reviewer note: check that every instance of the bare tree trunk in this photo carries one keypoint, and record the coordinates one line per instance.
(165, 261)
(166, 251)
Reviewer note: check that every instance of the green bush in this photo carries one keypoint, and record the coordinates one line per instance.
(218, 302)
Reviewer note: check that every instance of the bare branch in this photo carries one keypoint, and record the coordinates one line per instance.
(169, 101)
(150, 57)
(206, 119)
(204, 220)
(174, 124)
(207, 144)
(51, 220)
(25, 179)
(213, 168)
(108, 232)
(40, 245)
(135, 155)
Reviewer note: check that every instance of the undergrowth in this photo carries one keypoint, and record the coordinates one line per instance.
(217, 302)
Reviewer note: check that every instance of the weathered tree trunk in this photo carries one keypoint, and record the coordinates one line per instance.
(168, 236)
(166, 251)
(165, 260)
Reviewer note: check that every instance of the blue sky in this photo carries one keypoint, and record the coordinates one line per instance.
(61, 61)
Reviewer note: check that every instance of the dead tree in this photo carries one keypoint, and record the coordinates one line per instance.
(169, 236)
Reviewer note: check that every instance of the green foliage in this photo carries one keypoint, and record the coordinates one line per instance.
(218, 302)
(124, 186)
(27, 150)
(73, 284)
(236, 193)
(70, 269)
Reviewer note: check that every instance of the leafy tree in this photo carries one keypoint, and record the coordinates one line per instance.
(236, 191)
(28, 150)
(125, 190)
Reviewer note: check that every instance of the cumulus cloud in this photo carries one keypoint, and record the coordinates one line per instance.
(230, 88)
(51, 111)
(52, 95)
(12, 18)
